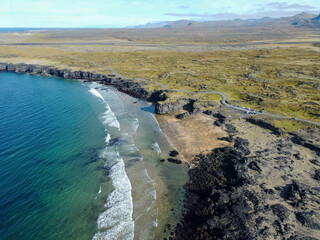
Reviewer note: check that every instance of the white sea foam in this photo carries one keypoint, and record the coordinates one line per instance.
(132, 148)
(96, 93)
(155, 146)
(117, 218)
(110, 119)
(135, 124)
(154, 193)
(155, 222)
(116, 221)
(108, 137)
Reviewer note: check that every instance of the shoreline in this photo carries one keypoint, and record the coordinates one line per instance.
(288, 200)
(126, 85)
(163, 190)
(163, 111)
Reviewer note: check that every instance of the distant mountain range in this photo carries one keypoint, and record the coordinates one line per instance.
(300, 20)
(151, 25)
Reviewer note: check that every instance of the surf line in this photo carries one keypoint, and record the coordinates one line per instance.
(116, 220)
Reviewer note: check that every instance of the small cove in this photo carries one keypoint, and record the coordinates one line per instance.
(59, 146)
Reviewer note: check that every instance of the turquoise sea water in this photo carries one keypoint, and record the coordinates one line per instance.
(49, 133)
(81, 161)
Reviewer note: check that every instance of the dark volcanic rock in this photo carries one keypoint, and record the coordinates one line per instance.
(219, 116)
(220, 119)
(3, 67)
(307, 142)
(191, 106)
(228, 139)
(315, 162)
(169, 107)
(242, 145)
(263, 124)
(225, 199)
(294, 194)
(136, 89)
(317, 175)
(133, 88)
(231, 129)
(196, 107)
(173, 153)
(280, 211)
(308, 219)
(217, 207)
(254, 166)
(208, 112)
(218, 123)
(182, 116)
(157, 96)
(129, 86)
(176, 161)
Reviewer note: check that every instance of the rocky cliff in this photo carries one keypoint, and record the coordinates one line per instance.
(163, 105)
(126, 85)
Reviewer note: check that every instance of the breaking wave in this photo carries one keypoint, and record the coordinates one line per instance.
(96, 93)
(117, 218)
(110, 119)
(155, 146)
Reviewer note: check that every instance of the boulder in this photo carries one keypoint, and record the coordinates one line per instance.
(173, 153)
(176, 161)
(182, 116)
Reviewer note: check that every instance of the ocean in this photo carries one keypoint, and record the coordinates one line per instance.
(81, 161)
(20, 29)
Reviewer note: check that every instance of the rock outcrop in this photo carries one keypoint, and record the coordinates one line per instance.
(265, 188)
(170, 106)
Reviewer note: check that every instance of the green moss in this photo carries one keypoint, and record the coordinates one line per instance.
(288, 125)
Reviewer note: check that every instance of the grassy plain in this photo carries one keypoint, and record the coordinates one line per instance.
(272, 70)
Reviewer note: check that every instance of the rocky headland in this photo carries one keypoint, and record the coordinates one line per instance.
(138, 89)
(129, 86)
(265, 187)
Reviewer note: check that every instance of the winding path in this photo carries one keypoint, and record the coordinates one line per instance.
(223, 100)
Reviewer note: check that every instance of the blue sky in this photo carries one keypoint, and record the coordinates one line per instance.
(120, 13)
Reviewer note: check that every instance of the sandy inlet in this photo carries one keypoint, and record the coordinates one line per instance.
(194, 135)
